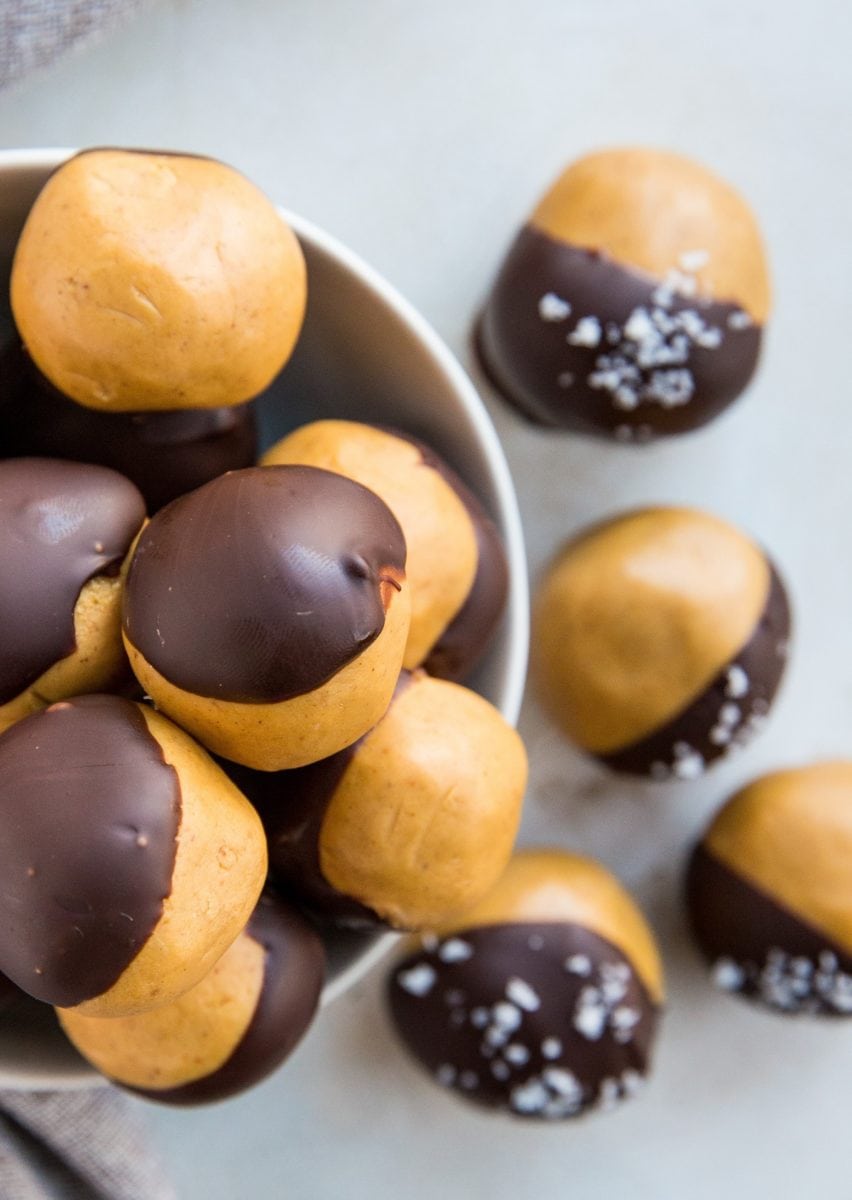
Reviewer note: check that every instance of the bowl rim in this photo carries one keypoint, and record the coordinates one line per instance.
(507, 515)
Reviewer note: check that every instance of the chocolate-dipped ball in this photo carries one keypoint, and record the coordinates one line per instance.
(632, 302)
(145, 280)
(456, 564)
(129, 860)
(164, 453)
(267, 613)
(411, 824)
(659, 640)
(543, 1000)
(65, 530)
(229, 1031)
(769, 891)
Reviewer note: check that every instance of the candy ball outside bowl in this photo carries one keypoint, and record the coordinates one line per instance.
(364, 354)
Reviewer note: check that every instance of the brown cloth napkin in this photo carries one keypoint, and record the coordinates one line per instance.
(34, 32)
(76, 1145)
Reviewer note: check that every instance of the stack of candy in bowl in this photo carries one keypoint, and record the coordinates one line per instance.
(227, 691)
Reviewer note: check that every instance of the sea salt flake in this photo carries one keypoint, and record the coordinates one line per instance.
(500, 1071)
(590, 1020)
(739, 319)
(480, 1017)
(468, 1080)
(553, 308)
(728, 975)
(691, 766)
(529, 1097)
(418, 980)
(516, 1054)
(730, 715)
(522, 994)
(693, 260)
(587, 332)
(736, 682)
(446, 1074)
(631, 1082)
(564, 1083)
(505, 1015)
(719, 735)
(455, 950)
(535, 941)
(609, 1094)
(579, 964)
(551, 1047)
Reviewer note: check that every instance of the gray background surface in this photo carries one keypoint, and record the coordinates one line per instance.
(421, 134)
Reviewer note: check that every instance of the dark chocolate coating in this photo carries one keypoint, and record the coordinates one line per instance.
(292, 806)
(463, 642)
(60, 525)
(669, 369)
(539, 1019)
(294, 970)
(164, 453)
(700, 734)
(89, 817)
(261, 585)
(760, 948)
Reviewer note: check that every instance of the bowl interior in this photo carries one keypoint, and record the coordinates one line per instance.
(364, 354)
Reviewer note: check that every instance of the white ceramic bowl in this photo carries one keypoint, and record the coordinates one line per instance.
(365, 354)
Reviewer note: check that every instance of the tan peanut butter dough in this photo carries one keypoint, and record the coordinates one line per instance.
(156, 281)
(789, 833)
(181, 1041)
(97, 664)
(442, 552)
(219, 871)
(647, 208)
(637, 615)
(426, 813)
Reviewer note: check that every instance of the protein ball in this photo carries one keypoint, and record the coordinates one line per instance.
(659, 640)
(149, 280)
(632, 303)
(267, 613)
(130, 862)
(769, 891)
(543, 1000)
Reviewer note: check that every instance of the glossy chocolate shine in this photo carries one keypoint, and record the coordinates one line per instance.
(89, 817)
(164, 453)
(294, 969)
(60, 525)
(578, 341)
(728, 713)
(760, 948)
(541, 1020)
(262, 584)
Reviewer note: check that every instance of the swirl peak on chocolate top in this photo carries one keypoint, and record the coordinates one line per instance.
(61, 524)
(262, 584)
(89, 817)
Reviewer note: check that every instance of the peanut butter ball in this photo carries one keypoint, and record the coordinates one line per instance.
(632, 302)
(130, 862)
(543, 1000)
(65, 530)
(411, 824)
(769, 890)
(229, 1031)
(659, 640)
(456, 564)
(156, 281)
(164, 453)
(267, 613)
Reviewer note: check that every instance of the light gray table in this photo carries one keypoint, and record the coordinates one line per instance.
(421, 134)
